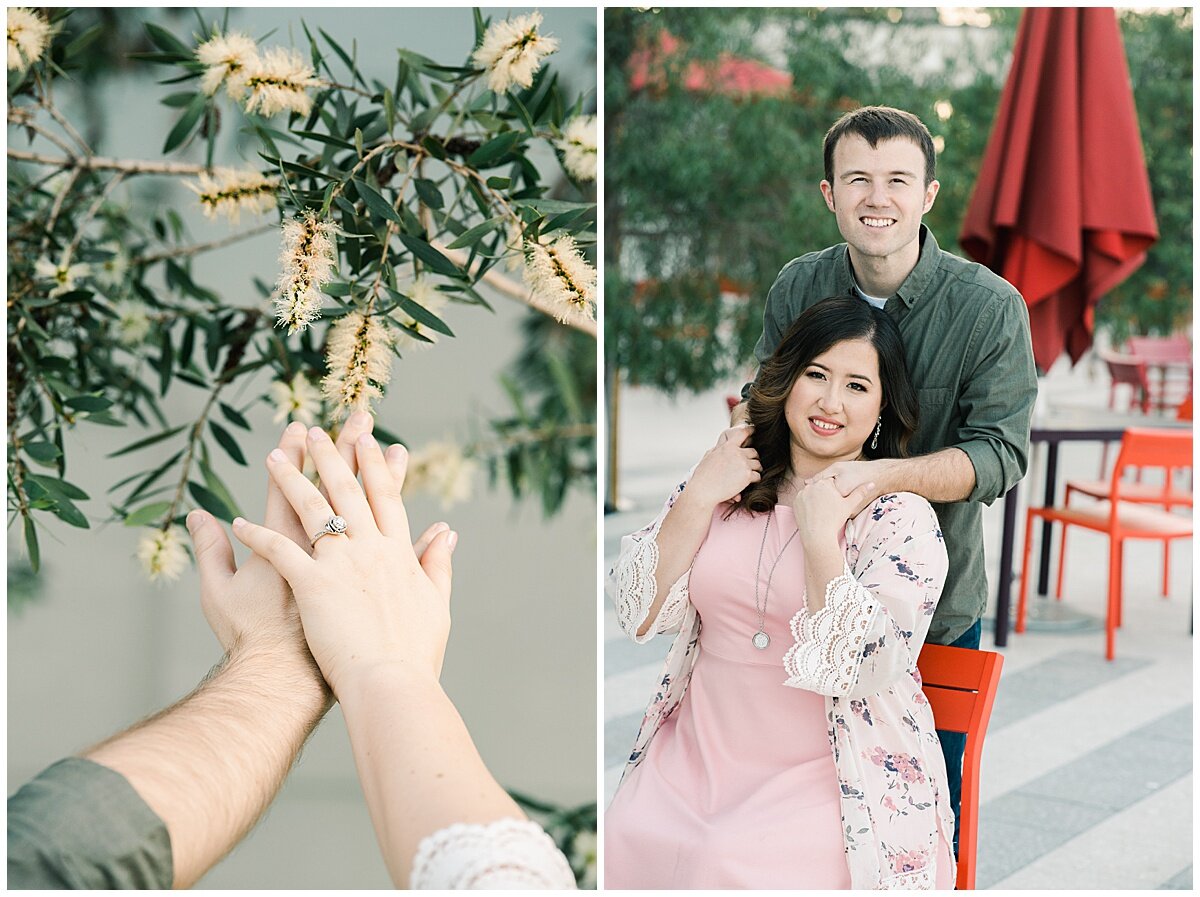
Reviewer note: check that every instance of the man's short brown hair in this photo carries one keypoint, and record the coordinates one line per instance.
(876, 123)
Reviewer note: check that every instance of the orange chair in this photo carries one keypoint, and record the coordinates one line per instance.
(960, 684)
(1121, 519)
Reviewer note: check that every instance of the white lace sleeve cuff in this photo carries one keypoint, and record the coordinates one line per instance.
(636, 589)
(507, 854)
(828, 652)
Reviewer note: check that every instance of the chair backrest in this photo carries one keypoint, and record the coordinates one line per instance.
(1161, 348)
(1146, 447)
(960, 684)
(1126, 369)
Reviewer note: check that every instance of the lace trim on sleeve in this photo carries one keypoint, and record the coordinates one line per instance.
(636, 589)
(505, 854)
(826, 657)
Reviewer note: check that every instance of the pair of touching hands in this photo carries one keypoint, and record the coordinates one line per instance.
(733, 465)
(353, 603)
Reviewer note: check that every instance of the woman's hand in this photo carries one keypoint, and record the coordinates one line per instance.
(821, 509)
(368, 598)
(727, 468)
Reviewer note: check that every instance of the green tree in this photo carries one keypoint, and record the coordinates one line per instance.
(393, 199)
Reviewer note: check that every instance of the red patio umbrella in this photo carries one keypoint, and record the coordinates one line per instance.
(1062, 206)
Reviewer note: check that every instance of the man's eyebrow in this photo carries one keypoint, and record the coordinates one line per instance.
(907, 174)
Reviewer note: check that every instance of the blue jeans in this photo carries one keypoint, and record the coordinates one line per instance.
(954, 743)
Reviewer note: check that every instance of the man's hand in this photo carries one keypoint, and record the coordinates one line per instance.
(849, 476)
(252, 606)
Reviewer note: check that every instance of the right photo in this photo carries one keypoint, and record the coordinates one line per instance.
(871, 278)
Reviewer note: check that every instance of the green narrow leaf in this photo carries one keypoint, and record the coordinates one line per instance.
(209, 502)
(429, 193)
(420, 314)
(42, 452)
(473, 235)
(166, 363)
(57, 488)
(185, 125)
(225, 438)
(215, 486)
(430, 256)
(494, 150)
(148, 514)
(88, 403)
(31, 544)
(166, 41)
(66, 511)
(234, 416)
(149, 440)
(376, 202)
(152, 477)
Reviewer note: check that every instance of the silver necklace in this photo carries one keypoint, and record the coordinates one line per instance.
(760, 639)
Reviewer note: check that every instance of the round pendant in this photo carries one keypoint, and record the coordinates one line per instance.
(761, 640)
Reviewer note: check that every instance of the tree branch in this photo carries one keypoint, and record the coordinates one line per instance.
(197, 248)
(103, 163)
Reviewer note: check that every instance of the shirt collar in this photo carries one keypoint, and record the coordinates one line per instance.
(918, 279)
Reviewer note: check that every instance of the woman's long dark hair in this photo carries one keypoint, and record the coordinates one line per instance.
(817, 330)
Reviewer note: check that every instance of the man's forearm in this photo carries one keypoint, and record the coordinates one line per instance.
(211, 764)
(943, 476)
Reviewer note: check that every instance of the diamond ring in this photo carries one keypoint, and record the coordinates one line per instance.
(334, 526)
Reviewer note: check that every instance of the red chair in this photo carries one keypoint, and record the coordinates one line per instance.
(1130, 371)
(1166, 353)
(1120, 518)
(960, 684)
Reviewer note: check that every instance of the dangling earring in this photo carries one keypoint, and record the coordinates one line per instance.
(875, 438)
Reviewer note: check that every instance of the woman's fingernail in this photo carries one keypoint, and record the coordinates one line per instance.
(453, 540)
(277, 455)
(397, 451)
(194, 520)
(239, 522)
(359, 419)
(295, 428)
(317, 434)
(365, 439)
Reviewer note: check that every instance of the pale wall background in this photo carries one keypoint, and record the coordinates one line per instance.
(101, 647)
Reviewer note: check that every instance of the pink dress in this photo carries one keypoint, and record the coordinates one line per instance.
(738, 781)
(738, 789)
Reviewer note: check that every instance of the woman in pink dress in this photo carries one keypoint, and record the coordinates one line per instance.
(789, 744)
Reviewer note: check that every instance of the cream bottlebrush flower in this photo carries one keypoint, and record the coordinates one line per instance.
(229, 192)
(559, 274)
(132, 325)
(583, 856)
(443, 470)
(578, 145)
(297, 398)
(228, 58)
(512, 51)
(359, 356)
(28, 37)
(423, 292)
(307, 261)
(163, 554)
(278, 81)
(63, 276)
(111, 272)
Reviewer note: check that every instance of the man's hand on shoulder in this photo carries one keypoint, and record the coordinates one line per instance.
(872, 477)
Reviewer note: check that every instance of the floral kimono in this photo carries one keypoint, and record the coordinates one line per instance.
(860, 652)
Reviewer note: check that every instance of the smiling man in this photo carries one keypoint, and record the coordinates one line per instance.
(966, 340)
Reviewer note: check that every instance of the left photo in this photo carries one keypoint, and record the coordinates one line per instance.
(302, 448)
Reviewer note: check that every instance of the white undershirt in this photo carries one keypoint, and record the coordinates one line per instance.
(874, 300)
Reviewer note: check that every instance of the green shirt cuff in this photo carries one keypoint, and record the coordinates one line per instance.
(989, 471)
(82, 825)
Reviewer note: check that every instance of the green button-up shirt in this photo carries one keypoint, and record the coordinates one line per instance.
(966, 339)
(81, 825)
